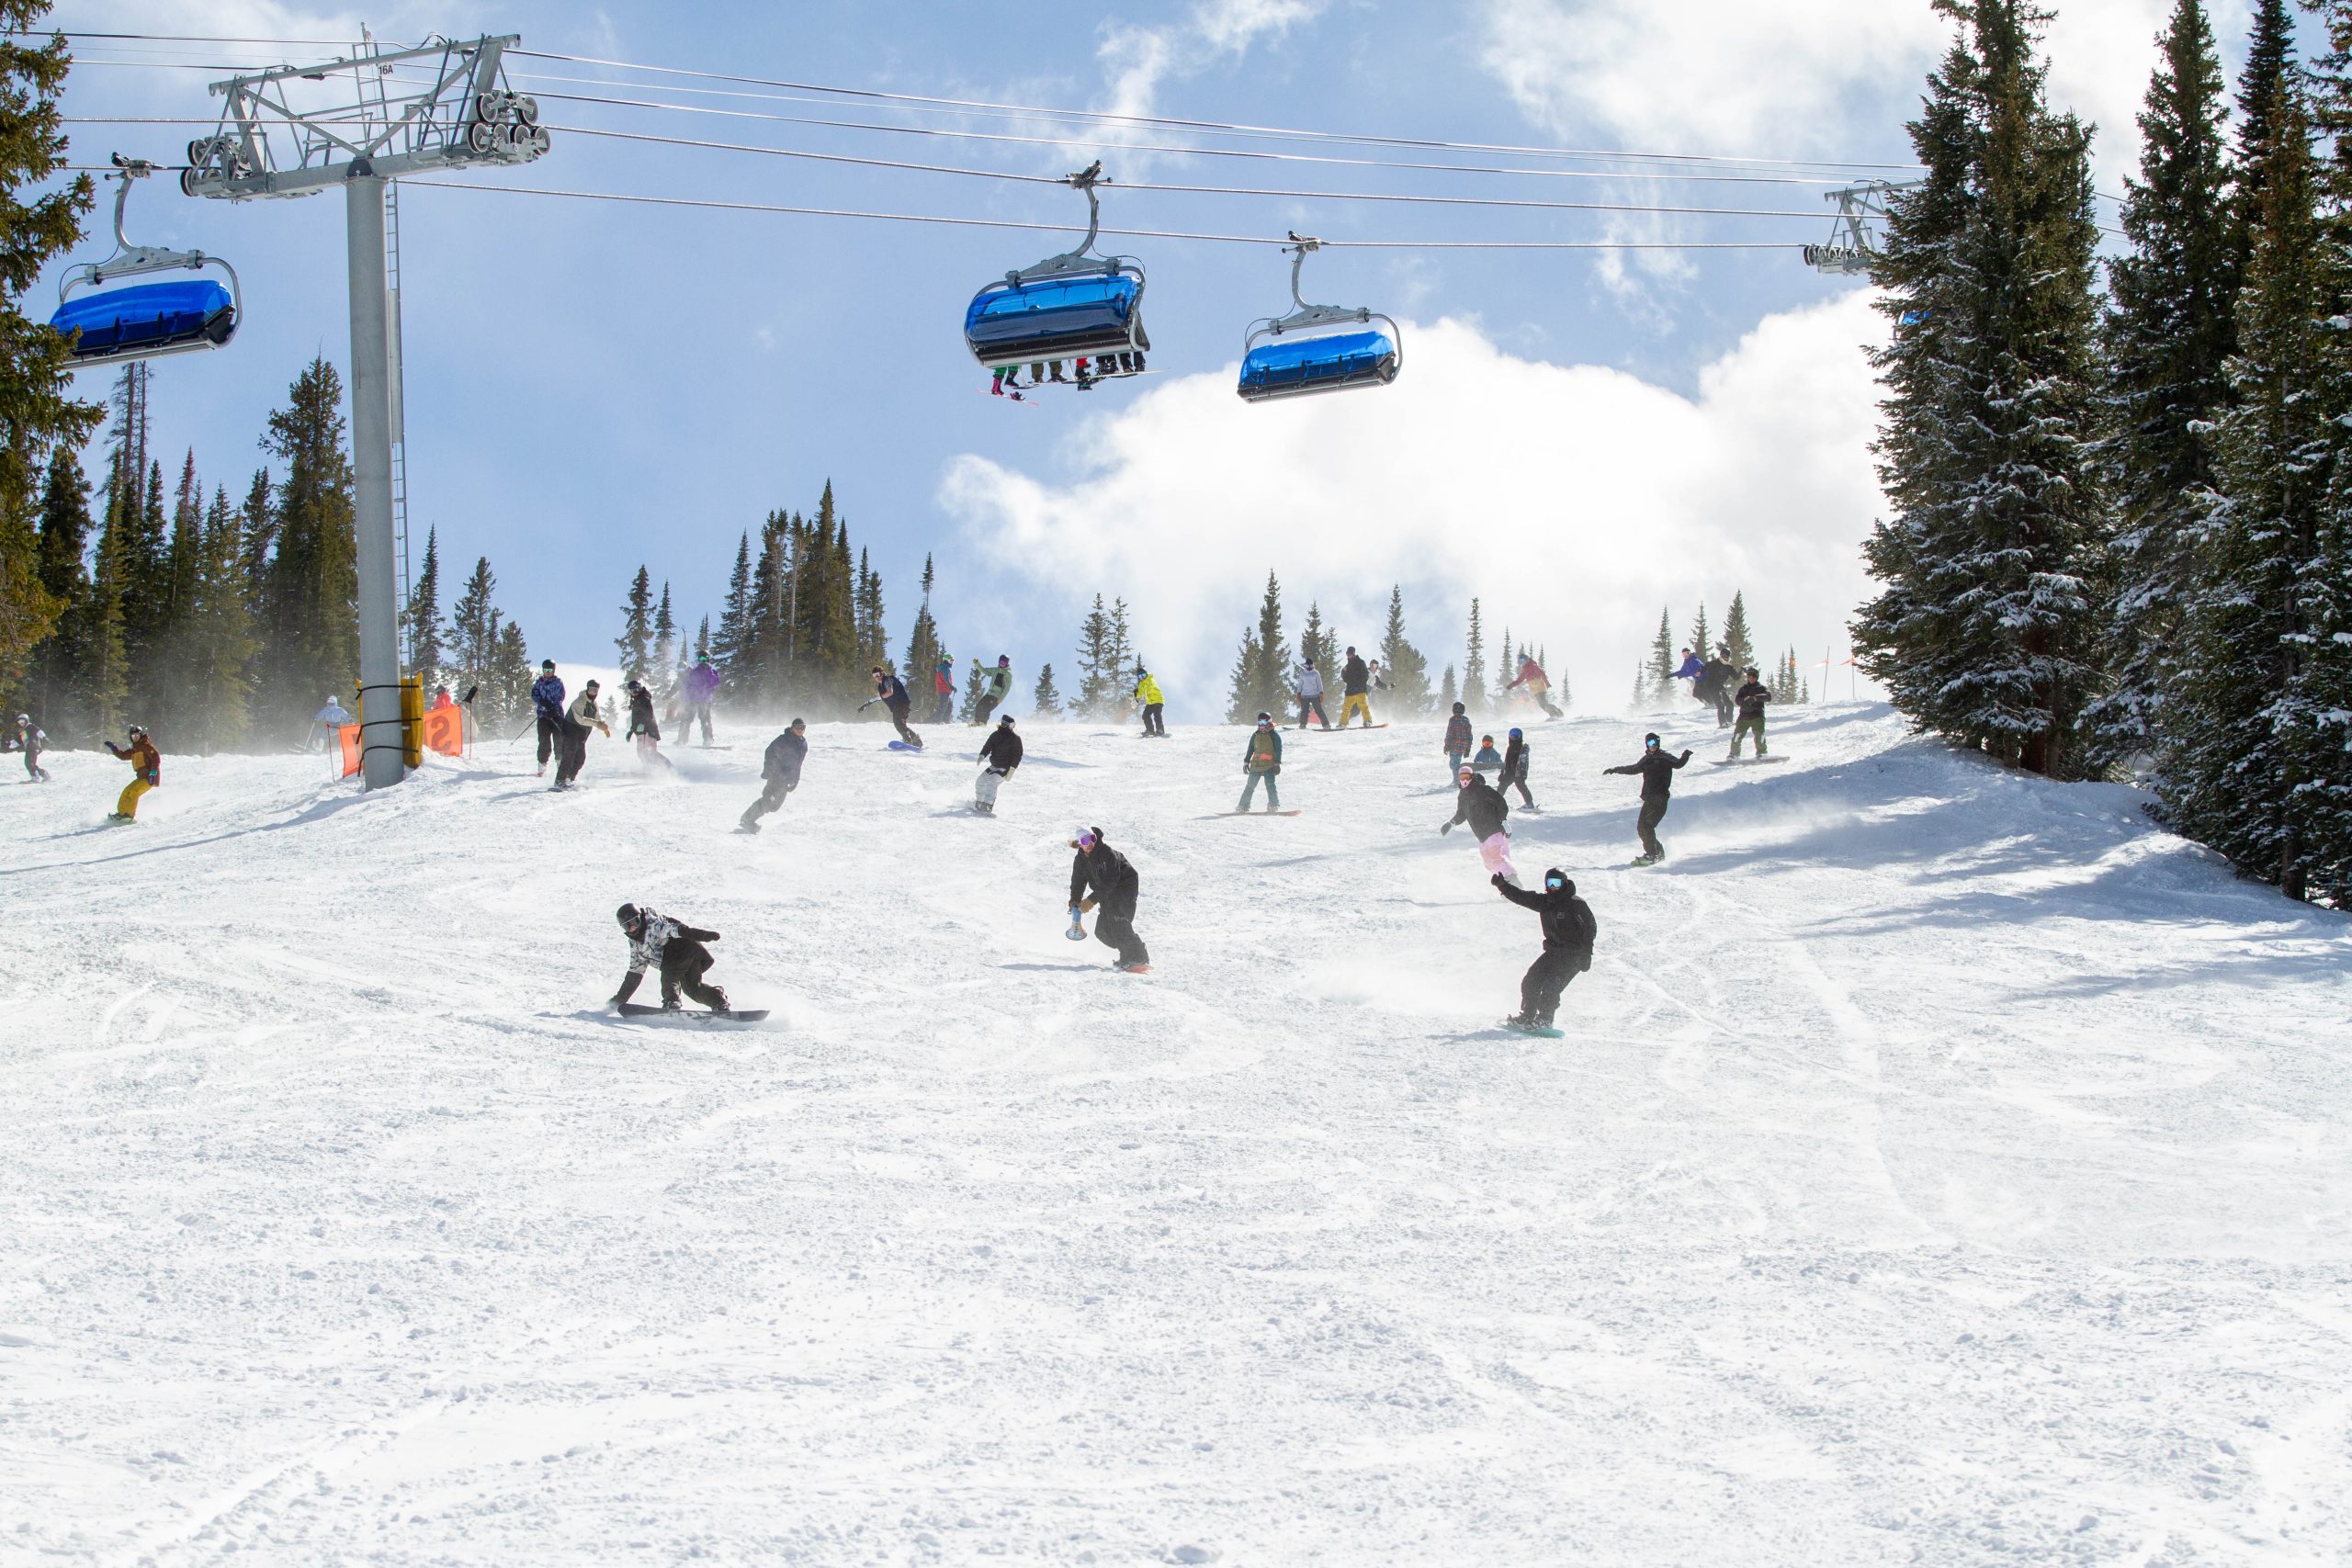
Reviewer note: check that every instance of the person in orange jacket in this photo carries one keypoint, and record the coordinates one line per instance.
(146, 773)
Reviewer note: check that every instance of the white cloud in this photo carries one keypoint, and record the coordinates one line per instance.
(1574, 500)
(1140, 59)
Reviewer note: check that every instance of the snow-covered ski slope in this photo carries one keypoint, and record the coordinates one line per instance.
(1942, 1166)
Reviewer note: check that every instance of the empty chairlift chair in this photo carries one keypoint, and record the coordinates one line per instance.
(1075, 311)
(145, 321)
(1317, 349)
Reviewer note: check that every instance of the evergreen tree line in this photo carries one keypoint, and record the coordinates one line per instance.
(2121, 537)
(1654, 681)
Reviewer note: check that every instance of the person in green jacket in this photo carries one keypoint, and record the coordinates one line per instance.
(1262, 759)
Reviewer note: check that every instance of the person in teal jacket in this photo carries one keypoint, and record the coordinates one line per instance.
(1262, 759)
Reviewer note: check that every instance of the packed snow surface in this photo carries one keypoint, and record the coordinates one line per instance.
(1942, 1166)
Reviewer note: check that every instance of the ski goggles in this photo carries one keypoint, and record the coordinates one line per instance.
(1086, 839)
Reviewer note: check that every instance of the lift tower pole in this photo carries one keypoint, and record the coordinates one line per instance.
(360, 122)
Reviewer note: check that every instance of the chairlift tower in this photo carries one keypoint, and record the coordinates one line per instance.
(362, 122)
(1854, 239)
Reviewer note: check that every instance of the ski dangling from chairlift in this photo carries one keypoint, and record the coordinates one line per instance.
(145, 321)
(1074, 320)
(1335, 348)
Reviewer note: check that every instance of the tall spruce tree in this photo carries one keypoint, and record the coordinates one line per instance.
(665, 643)
(729, 643)
(1703, 639)
(1985, 628)
(511, 676)
(923, 650)
(105, 663)
(1662, 661)
(2169, 329)
(1123, 660)
(1098, 676)
(1736, 634)
(1241, 704)
(1474, 667)
(1046, 701)
(636, 642)
(216, 637)
(1270, 677)
(1408, 671)
(474, 642)
(309, 620)
(166, 678)
(62, 566)
(421, 619)
(1314, 643)
(1448, 692)
(2269, 69)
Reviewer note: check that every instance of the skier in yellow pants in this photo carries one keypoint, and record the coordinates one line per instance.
(147, 771)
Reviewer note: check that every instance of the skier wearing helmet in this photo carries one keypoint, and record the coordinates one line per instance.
(1515, 769)
(673, 950)
(999, 757)
(146, 774)
(1658, 771)
(1101, 877)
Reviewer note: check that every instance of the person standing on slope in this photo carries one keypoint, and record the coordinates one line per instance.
(998, 756)
(701, 690)
(943, 690)
(326, 725)
(1481, 805)
(892, 692)
(1307, 682)
(673, 950)
(1355, 690)
(1750, 700)
(546, 709)
(1148, 693)
(779, 774)
(1457, 740)
(1658, 771)
(1262, 758)
(578, 720)
(1100, 877)
(995, 686)
(1539, 686)
(1569, 934)
(146, 774)
(642, 728)
(31, 742)
(1515, 769)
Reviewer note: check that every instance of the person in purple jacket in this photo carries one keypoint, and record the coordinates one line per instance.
(702, 685)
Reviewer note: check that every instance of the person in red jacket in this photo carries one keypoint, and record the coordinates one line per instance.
(146, 773)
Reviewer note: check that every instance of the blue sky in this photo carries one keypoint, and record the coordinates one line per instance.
(1578, 437)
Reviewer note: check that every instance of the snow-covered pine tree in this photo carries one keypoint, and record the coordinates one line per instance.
(1985, 628)
(1406, 670)
(1474, 667)
(2321, 754)
(2169, 329)
(1663, 661)
(636, 641)
(1044, 702)
(1734, 632)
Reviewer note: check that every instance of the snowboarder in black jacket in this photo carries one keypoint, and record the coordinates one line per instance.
(1568, 932)
(1515, 769)
(1100, 878)
(1658, 772)
(779, 773)
(1750, 700)
(999, 757)
(892, 692)
(674, 949)
(1713, 685)
(1481, 805)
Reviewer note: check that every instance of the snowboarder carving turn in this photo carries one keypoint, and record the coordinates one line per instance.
(1539, 687)
(999, 757)
(146, 774)
(546, 712)
(1750, 699)
(673, 950)
(995, 686)
(643, 728)
(1102, 879)
(779, 773)
(1568, 934)
(1656, 770)
(578, 720)
(30, 741)
(892, 692)
(1481, 805)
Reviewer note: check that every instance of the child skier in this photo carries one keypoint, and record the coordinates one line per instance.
(892, 692)
(1457, 740)
(31, 741)
(1262, 758)
(999, 757)
(1307, 682)
(146, 774)
(701, 690)
(578, 720)
(1489, 759)
(1100, 875)
(1750, 700)
(1515, 769)
(1481, 805)
(1539, 686)
(1148, 693)
(547, 711)
(779, 774)
(1569, 934)
(995, 685)
(675, 951)
(643, 728)
(1658, 772)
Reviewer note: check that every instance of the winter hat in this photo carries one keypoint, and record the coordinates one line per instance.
(1751, 673)
(1004, 721)
(1265, 719)
(1088, 838)
(547, 665)
(627, 915)
(1004, 659)
(1515, 735)
(702, 658)
(591, 686)
(1459, 708)
(798, 724)
(1467, 772)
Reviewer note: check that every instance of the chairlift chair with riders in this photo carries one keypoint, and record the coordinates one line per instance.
(1317, 348)
(1074, 307)
(146, 320)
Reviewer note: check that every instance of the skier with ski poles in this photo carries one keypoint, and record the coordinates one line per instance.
(326, 725)
(1483, 807)
(1656, 770)
(673, 950)
(31, 741)
(995, 685)
(701, 690)
(1750, 700)
(642, 728)
(1148, 693)
(1262, 758)
(1539, 686)
(547, 710)
(892, 692)
(1569, 934)
(998, 756)
(1307, 683)
(1355, 690)
(146, 774)
(1515, 769)
(1101, 876)
(779, 774)
(577, 721)
(1457, 740)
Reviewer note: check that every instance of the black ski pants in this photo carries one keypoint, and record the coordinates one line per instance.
(1307, 705)
(574, 751)
(551, 736)
(898, 712)
(1152, 723)
(683, 963)
(1653, 813)
(772, 794)
(1518, 782)
(1119, 932)
(983, 708)
(1539, 990)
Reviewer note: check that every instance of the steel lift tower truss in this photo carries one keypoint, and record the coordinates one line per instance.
(360, 123)
(1854, 239)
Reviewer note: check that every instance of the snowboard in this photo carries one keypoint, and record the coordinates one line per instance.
(1747, 762)
(733, 1015)
(1536, 1029)
(902, 746)
(1138, 969)
(1343, 729)
(1291, 813)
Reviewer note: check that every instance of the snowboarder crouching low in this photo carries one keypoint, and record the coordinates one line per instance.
(779, 773)
(1100, 878)
(1569, 934)
(1481, 805)
(146, 774)
(998, 756)
(1750, 700)
(1262, 758)
(673, 950)
(1658, 771)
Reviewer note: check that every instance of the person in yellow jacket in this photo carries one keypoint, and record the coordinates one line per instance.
(146, 773)
(1148, 693)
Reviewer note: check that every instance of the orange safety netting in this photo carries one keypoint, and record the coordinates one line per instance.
(442, 730)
